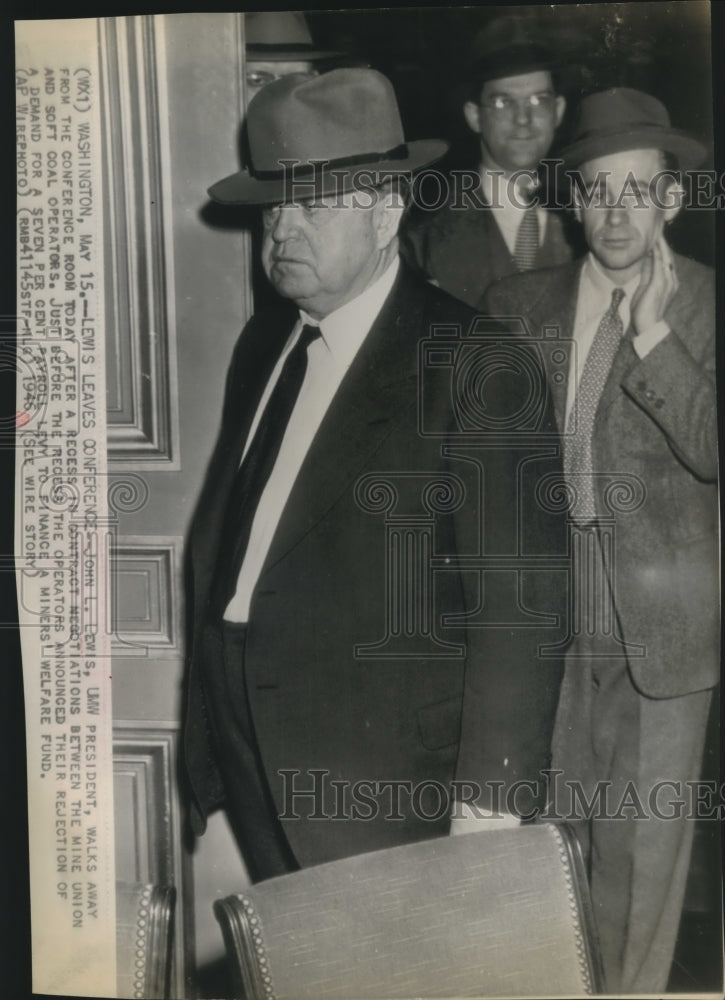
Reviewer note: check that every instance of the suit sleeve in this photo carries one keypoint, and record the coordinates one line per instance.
(497, 300)
(516, 618)
(679, 394)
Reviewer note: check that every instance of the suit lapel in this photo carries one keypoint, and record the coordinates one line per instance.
(491, 237)
(254, 360)
(555, 307)
(380, 382)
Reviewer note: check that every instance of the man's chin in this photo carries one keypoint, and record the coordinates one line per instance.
(526, 158)
(290, 281)
(617, 258)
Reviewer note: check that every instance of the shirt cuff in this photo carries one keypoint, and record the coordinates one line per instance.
(469, 819)
(644, 342)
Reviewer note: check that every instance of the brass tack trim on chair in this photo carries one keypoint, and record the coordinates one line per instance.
(251, 932)
(581, 948)
(139, 976)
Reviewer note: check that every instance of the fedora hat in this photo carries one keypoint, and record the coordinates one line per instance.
(510, 46)
(281, 36)
(619, 119)
(348, 117)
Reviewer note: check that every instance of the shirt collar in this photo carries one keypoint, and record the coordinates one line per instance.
(601, 285)
(344, 330)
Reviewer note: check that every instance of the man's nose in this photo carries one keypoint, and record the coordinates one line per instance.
(616, 215)
(522, 114)
(285, 222)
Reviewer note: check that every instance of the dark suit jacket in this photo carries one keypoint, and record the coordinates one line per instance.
(314, 703)
(656, 420)
(464, 251)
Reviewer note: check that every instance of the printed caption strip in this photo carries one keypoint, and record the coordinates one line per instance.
(61, 540)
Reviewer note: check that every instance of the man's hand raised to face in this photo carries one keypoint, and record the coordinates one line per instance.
(657, 286)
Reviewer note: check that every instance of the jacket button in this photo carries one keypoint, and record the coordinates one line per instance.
(649, 395)
(659, 403)
(641, 386)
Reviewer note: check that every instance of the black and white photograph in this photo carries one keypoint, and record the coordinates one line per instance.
(366, 521)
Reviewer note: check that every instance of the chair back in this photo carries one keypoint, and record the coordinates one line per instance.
(495, 913)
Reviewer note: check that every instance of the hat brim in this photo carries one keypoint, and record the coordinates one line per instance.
(289, 53)
(689, 152)
(242, 188)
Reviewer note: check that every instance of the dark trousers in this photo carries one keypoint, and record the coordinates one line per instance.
(249, 803)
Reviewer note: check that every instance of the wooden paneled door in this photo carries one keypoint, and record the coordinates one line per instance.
(178, 291)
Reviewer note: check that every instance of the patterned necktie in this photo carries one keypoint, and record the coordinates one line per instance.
(527, 240)
(578, 437)
(256, 468)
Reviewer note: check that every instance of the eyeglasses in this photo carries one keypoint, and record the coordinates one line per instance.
(505, 106)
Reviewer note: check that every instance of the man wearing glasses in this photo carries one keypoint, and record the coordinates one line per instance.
(497, 228)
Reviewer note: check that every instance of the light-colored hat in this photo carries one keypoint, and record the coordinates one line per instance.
(348, 117)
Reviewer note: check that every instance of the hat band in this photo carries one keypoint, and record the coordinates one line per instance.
(620, 129)
(310, 167)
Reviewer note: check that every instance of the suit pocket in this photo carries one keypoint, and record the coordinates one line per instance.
(439, 724)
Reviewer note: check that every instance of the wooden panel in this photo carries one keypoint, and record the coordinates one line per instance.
(140, 349)
(146, 595)
(147, 818)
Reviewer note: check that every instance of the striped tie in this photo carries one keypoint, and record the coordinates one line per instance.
(527, 240)
(578, 437)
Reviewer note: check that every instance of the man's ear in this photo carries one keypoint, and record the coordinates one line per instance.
(560, 106)
(472, 114)
(389, 208)
(673, 200)
(577, 204)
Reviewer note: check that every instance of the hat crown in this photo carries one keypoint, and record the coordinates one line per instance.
(510, 45)
(276, 27)
(340, 114)
(621, 108)
(622, 119)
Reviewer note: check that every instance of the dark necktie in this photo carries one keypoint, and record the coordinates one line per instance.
(256, 468)
(578, 437)
(527, 240)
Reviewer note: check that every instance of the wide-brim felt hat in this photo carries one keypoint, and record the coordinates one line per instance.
(620, 119)
(281, 36)
(314, 135)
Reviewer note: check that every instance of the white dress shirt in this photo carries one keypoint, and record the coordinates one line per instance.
(508, 210)
(328, 359)
(593, 300)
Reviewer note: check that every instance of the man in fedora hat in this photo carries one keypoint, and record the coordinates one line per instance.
(499, 227)
(308, 706)
(637, 415)
(277, 43)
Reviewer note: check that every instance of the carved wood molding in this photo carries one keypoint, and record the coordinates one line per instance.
(146, 596)
(148, 824)
(142, 403)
